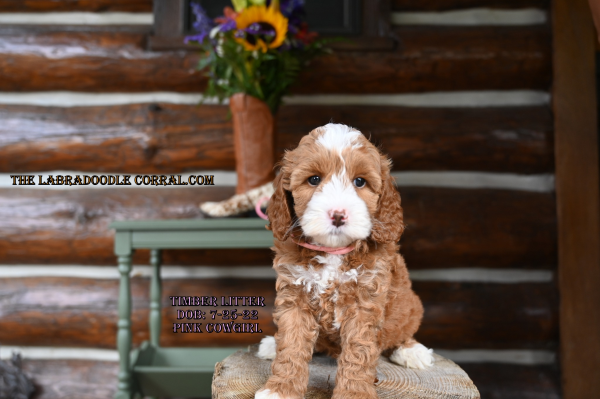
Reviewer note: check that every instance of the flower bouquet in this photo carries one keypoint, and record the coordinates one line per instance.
(252, 55)
(258, 47)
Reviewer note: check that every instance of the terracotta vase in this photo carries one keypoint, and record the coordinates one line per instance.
(253, 138)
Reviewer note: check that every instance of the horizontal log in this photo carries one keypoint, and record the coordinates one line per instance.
(137, 138)
(75, 5)
(503, 139)
(84, 311)
(72, 379)
(446, 227)
(511, 315)
(426, 60)
(167, 138)
(437, 60)
(146, 5)
(509, 381)
(99, 379)
(73, 226)
(446, 5)
(60, 311)
(488, 228)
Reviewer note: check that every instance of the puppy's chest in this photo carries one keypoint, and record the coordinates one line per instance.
(326, 280)
(323, 275)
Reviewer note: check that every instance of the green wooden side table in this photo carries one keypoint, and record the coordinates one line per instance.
(151, 370)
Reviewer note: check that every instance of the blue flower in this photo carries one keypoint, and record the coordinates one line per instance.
(202, 24)
(290, 7)
(294, 11)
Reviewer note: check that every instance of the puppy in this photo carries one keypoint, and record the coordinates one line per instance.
(342, 287)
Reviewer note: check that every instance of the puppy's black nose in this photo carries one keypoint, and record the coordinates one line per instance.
(337, 219)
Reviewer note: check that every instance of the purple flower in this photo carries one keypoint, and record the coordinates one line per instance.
(195, 38)
(202, 24)
(290, 7)
(257, 29)
(228, 25)
(294, 11)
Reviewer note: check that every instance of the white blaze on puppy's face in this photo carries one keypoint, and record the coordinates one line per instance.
(337, 137)
(337, 196)
(336, 215)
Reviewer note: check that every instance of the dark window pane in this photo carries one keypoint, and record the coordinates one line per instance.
(214, 8)
(334, 16)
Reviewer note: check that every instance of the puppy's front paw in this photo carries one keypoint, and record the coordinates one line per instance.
(267, 394)
(415, 357)
(267, 348)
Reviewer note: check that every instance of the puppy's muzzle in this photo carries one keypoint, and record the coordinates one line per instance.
(338, 218)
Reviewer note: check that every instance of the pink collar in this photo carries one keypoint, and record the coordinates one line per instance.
(329, 250)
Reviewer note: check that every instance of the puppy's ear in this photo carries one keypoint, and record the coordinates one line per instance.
(389, 220)
(280, 209)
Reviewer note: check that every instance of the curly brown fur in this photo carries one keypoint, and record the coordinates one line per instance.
(354, 306)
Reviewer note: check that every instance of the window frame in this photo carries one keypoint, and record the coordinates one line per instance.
(169, 28)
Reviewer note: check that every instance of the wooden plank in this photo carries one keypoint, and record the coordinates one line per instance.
(92, 61)
(98, 379)
(84, 216)
(167, 138)
(488, 228)
(84, 311)
(446, 227)
(75, 5)
(510, 381)
(168, 19)
(149, 138)
(89, 379)
(513, 315)
(436, 59)
(426, 60)
(446, 5)
(58, 311)
(146, 5)
(578, 196)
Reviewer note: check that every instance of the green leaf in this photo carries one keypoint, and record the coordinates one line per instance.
(239, 5)
(206, 61)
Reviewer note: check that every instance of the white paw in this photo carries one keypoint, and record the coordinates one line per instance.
(267, 348)
(266, 394)
(214, 209)
(415, 357)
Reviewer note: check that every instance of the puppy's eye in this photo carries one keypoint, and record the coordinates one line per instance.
(314, 180)
(360, 182)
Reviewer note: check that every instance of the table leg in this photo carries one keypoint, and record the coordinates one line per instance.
(124, 389)
(155, 297)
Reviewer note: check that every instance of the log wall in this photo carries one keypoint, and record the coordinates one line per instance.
(84, 313)
(170, 138)
(445, 227)
(478, 230)
(95, 60)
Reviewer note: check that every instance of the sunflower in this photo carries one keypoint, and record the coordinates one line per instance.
(261, 27)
